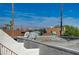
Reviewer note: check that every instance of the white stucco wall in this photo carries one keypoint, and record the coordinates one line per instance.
(18, 48)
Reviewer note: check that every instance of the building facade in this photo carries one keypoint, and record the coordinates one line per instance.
(55, 30)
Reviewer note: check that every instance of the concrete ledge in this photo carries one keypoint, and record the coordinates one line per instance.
(50, 49)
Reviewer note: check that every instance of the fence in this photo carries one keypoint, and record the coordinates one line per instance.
(6, 51)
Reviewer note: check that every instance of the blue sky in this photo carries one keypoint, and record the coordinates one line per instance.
(40, 14)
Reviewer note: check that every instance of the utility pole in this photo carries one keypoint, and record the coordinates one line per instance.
(12, 21)
(61, 18)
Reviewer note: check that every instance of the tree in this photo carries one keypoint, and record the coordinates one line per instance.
(42, 31)
(71, 31)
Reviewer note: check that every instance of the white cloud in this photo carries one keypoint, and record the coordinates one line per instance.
(71, 21)
(40, 21)
(4, 20)
(49, 21)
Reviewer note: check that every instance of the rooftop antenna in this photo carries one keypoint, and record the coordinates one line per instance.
(61, 18)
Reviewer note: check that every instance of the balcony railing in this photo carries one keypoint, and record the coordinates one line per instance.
(6, 51)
